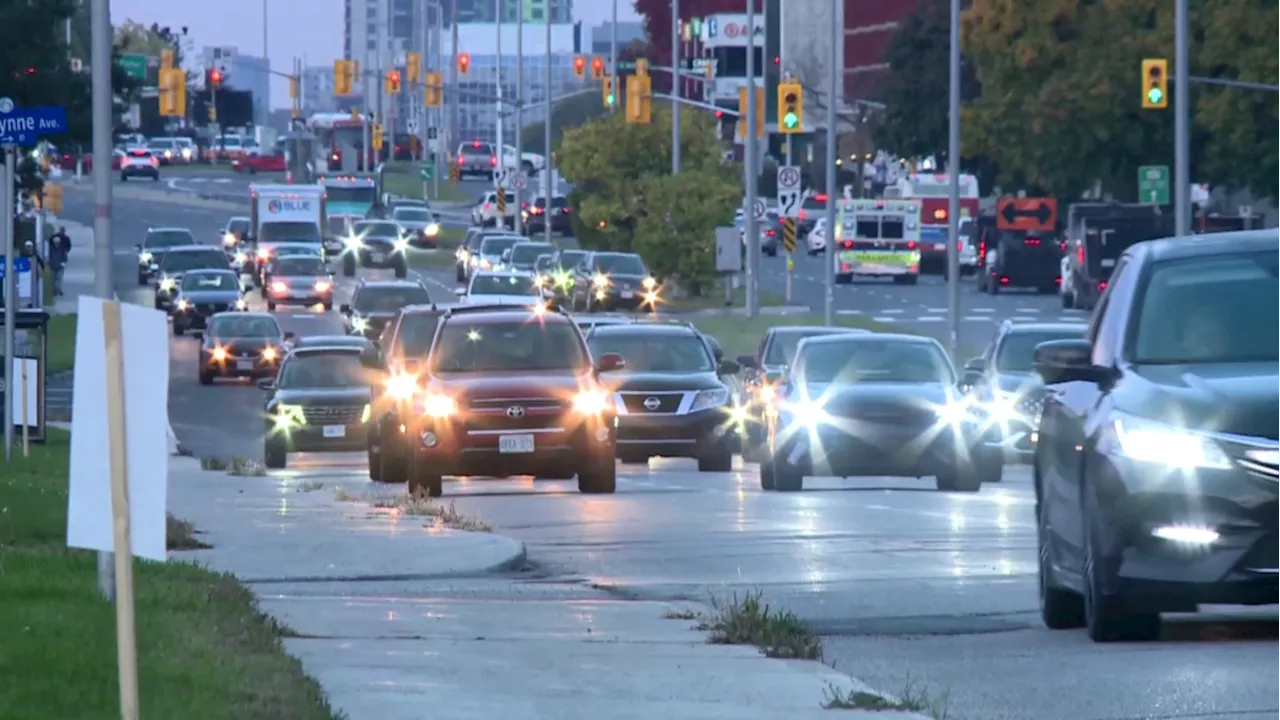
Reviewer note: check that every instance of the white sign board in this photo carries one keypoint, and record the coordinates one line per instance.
(413, 126)
(500, 177)
(519, 181)
(789, 191)
(728, 249)
(759, 210)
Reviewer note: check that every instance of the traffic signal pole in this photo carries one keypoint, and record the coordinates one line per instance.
(953, 178)
(750, 167)
(675, 85)
(548, 159)
(1181, 123)
(453, 140)
(833, 95)
(519, 219)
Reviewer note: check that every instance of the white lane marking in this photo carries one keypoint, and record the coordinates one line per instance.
(983, 310)
(893, 312)
(929, 319)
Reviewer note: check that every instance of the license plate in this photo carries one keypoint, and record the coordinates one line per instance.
(335, 431)
(244, 364)
(939, 246)
(515, 444)
(627, 294)
(379, 257)
(1109, 262)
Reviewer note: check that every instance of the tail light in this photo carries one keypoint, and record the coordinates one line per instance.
(460, 161)
(911, 244)
(1080, 254)
(485, 208)
(820, 197)
(1102, 285)
(801, 214)
(1031, 242)
(982, 249)
(844, 267)
(847, 244)
(493, 161)
(1004, 280)
(770, 233)
(564, 210)
(1062, 246)
(960, 245)
(524, 206)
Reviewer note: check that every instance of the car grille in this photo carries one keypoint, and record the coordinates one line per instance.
(904, 415)
(668, 402)
(529, 404)
(497, 413)
(211, 308)
(333, 414)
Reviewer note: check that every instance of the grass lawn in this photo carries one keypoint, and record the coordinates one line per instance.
(740, 335)
(401, 178)
(203, 649)
(61, 346)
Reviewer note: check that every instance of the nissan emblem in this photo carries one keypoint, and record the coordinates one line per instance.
(652, 403)
(515, 411)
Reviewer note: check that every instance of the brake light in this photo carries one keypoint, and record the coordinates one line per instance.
(1102, 285)
(486, 207)
(1062, 246)
(1031, 242)
(821, 197)
(493, 161)
(1004, 280)
(960, 245)
(459, 161)
(802, 214)
(475, 144)
(1080, 254)
(844, 267)
(770, 233)
(847, 244)
(911, 244)
(939, 214)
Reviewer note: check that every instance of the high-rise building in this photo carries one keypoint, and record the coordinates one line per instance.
(242, 72)
(317, 90)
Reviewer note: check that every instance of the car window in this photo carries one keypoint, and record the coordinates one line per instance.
(508, 346)
(335, 369)
(618, 263)
(643, 352)
(476, 148)
(182, 261)
(502, 285)
(1017, 350)
(571, 259)
(544, 263)
(299, 266)
(337, 225)
(875, 361)
(417, 330)
(388, 299)
(226, 326)
(168, 238)
(377, 229)
(198, 282)
(413, 215)
(1219, 309)
(526, 253)
(288, 230)
(782, 348)
(238, 226)
(497, 245)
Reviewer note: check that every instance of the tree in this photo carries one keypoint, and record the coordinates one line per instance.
(565, 114)
(625, 198)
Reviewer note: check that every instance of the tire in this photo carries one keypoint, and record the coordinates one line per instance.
(392, 465)
(422, 481)
(271, 306)
(459, 276)
(788, 477)
(993, 285)
(990, 467)
(275, 454)
(599, 477)
(206, 377)
(124, 178)
(178, 329)
(374, 460)
(1066, 300)
(964, 477)
(401, 269)
(1106, 616)
(142, 280)
(527, 167)
(1060, 609)
(766, 474)
(328, 305)
(719, 461)
(348, 265)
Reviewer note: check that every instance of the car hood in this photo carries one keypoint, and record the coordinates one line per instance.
(355, 395)
(210, 296)
(1018, 383)
(375, 316)
(885, 401)
(513, 385)
(378, 241)
(500, 299)
(417, 224)
(1238, 398)
(661, 381)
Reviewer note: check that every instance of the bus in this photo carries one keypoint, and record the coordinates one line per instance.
(878, 238)
(933, 191)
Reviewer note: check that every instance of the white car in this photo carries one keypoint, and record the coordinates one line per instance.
(501, 288)
(485, 211)
(817, 237)
(139, 162)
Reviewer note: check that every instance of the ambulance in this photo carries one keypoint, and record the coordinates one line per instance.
(878, 238)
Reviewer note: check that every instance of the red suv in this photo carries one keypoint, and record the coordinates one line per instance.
(512, 391)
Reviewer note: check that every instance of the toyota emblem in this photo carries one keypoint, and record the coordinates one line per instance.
(652, 403)
(515, 411)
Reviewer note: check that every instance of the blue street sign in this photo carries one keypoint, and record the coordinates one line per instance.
(21, 264)
(25, 126)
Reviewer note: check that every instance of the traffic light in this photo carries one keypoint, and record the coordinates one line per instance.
(433, 94)
(597, 68)
(166, 59)
(392, 84)
(376, 132)
(342, 77)
(639, 105)
(742, 112)
(413, 67)
(790, 108)
(579, 66)
(1155, 84)
(173, 93)
(606, 92)
(464, 63)
(213, 78)
(293, 88)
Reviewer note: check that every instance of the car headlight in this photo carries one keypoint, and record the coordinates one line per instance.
(709, 399)
(953, 412)
(241, 304)
(183, 304)
(402, 386)
(288, 416)
(279, 288)
(323, 286)
(263, 254)
(809, 412)
(359, 324)
(401, 245)
(366, 414)
(600, 281)
(431, 230)
(1002, 408)
(592, 402)
(1153, 442)
(650, 283)
(463, 255)
(439, 406)
(353, 243)
(219, 354)
(229, 239)
(145, 258)
(241, 258)
(486, 264)
(166, 284)
(270, 354)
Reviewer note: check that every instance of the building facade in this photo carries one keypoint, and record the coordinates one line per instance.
(242, 72)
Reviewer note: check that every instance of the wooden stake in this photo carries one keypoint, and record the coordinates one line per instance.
(126, 633)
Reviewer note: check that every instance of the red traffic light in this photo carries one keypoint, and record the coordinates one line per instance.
(579, 63)
(597, 64)
(464, 62)
(719, 114)
(215, 78)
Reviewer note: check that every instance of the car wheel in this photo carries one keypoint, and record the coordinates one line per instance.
(142, 280)
(719, 461)
(178, 329)
(993, 285)
(527, 167)
(275, 454)
(1107, 616)
(401, 269)
(1060, 609)
(206, 377)
(124, 178)
(271, 306)
(599, 477)
(786, 476)
(990, 468)
(424, 482)
(392, 465)
(766, 473)
(328, 305)
(1067, 302)
(373, 458)
(964, 477)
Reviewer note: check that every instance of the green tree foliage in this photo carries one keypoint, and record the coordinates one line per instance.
(578, 109)
(626, 199)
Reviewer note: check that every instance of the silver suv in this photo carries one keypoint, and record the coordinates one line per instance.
(476, 158)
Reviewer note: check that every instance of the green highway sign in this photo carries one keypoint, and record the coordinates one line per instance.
(1153, 184)
(426, 171)
(134, 65)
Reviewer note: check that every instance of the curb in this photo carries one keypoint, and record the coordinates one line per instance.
(515, 562)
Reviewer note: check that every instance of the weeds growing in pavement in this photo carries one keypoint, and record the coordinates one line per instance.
(750, 621)
(445, 515)
(309, 486)
(679, 614)
(243, 467)
(913, 697)
(212, 463)
(181, 535)
(341, 495)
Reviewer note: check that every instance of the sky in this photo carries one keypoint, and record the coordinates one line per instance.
(295, 28)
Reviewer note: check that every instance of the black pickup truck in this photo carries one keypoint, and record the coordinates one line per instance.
(1097, 235)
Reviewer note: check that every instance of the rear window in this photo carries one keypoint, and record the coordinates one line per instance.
(299, 266)
(210, 282)
(238, 226)
(417, 330)
(477, 148)
(503, 285)
(388, 299)
(571, 259)
(176, 262)
(508, 346)
(168, 239)
(377, 229)
(234, 325)
(527, 253)
(286, 231)
(498, 245)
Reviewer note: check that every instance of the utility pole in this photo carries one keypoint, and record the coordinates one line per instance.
(384, 17)
(833, 95)
(549, 188)
(613, 56)
(953, 179)
(1181, 122)
(454, 140)
(520, 98)
(675, 82)
(437, 114)
(750, 167)
(500, 147)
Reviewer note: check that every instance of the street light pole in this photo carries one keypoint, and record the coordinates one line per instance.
(1181, 123)
(675, 85)
(437, 114)
(500, 146)
(953, 179)
(833, 93)
(453, 140)
(749, 166)
(613, 55)
(548, 187)
(520, 98)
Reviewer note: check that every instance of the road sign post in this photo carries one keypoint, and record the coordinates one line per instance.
(789, 210)
(1153, 184)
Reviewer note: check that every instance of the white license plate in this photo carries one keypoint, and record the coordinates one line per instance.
(515, 444)
(1109, 262)
(244, 364)
(939, 246)
(378, 257)
(335, 431)
(627, 294)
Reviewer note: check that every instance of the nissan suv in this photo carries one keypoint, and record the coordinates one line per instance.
(512, 391)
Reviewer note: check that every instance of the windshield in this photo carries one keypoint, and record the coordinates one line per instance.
(176, 262)
(502, 285)
(782, 347)
(294, 266)
(527, 253)
(556, 202)
(1209, 310)
(349, 194)
(238, 226)
(571, 259)
(645, 352)
(323, 370)
(377, 229)
(168, 239)
(337, 225)
(417, 330)
(497, 246)
(202, 282)
(875, 361)
(389, 299)
(295, 249)
(414, 216)
(161, 144)
(286, 231)
(619, 264)
(1017, 350)
(543, 263)
(229, 326)
(517, 346)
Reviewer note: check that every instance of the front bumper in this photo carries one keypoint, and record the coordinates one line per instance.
(379, 257)
(690, 435)
(301, 297)
(557, 450)
(618, 299)
(890, 450)
(233, 367)
(341, 437)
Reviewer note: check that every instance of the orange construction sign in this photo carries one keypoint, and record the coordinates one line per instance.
(1034, 214)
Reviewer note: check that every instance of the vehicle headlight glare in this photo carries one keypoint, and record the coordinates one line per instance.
(353, 243)
(270, 353)
(401, 245)
(183, 304)
(591, 402)
(219, 354)
(650, 283)
(145, 257)
(359, 324)
(288, 416)
(439, 406)
(600, 281)
(402, 386)
(432, 230)
(241, 304)
(323, 285)
(167, 284)
(229, 239)
(709, 399)
(952, 413)
(1147, 441)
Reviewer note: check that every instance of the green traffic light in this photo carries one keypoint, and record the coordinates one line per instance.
(1155, 96)
(611, 99)
(790, 120)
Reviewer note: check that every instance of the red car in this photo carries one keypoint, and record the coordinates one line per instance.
(509, 390)
(253, 164)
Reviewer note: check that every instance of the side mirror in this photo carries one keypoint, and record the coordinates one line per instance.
(268, 384)
(138, 247)
(729, 367)
(1060, 361)
(970, 378)
(345, 309)
(749, 362)
(460, 292)
(610, 362)
(371, 359)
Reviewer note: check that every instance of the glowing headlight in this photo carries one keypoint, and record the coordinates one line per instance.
(463, 255)
(145, 257)
(263, 253)
(229, 239)
(1148, 441)
(288, 416)
(241, 258)
(186, 153)
(539, 281)
(600, 281)
(651, 298)
(539, 308)
(439, 406)
(241, 304)
(167, 284)
(183, 304)
(359, 324)
(952, 413)
(402, 386)
(431, 230)
(808, 411)
(1003, 408)
(279, 288)
(650, 283)
(591, 402)
(485, 264)
(768, 393)
(564, 279)
(270, 354)
(709, 399)
(219, 354)
(323, 286)
(366, 413)
(353, 243)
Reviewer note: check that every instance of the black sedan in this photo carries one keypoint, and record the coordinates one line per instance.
(241, 344)
(376, 244)
(614, 281)
(202, 294)
(374, 303)
(670, 396)
(873, 404)
(1156, 466)
(536, 217)
(180, 260)
(319, 402)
